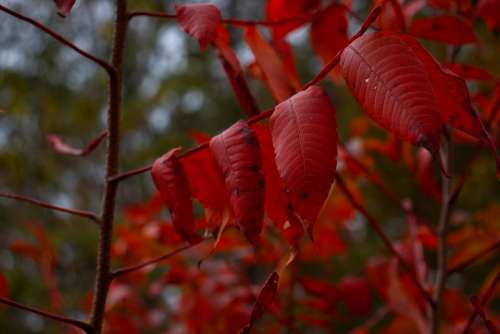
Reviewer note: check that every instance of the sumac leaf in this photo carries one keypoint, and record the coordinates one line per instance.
(304, 134)
(64, 7)
(355, 292)
(425, 177)
(237, 154)
(489, 10)
(200, 21)
(60, 146)
(286, 9)
(265, 299)
(469, 72)
(171, 181)
(273, 69)
(446, 29)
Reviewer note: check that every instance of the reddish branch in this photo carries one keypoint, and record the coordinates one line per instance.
(484, 299)
(59, 38)
(495, 247)
(76, 323)
(380, 233)
(126, 270)
(265, 114)
(82, 213)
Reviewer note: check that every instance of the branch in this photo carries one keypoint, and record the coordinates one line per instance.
(484, 299)
(442, 233)
(102, 279)
(76, 323)
(102, 63)
(495, 247)
(387, 242)
(126, 270)
(82, 213)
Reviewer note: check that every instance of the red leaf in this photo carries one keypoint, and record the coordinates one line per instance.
(4, 286)
(489, 10)
(469, 72)
(237, 154)
(171, 181)
(405, 90)
(426, 179)
(304, 135)
(64, 7)
(446, 29)
(236, 77)
(265, 299)
(60, 146)
(329, 32)
(274, 71)
(201, 21)
(285, 9)
(356, 294)
(321, 289)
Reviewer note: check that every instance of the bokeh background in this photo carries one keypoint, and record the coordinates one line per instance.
(171, 88)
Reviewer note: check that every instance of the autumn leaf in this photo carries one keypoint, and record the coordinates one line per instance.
(447, 29)
(64, 7)
(489, 10)
(238, 157)
(285, 9)
(469, 72)
(171, 181)
(60, 146)
(304, 134)
(425, 177)
(355, 292)
(200, 21)
(273, 69)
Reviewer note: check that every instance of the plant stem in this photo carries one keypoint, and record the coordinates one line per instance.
(103, 277)
(442, 232)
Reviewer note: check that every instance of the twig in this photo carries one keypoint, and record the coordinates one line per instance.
(126, 270)
(495, 247)
(484, 299)
(82, 213)
(102, 279)
(104, 64)
(387, 242)
(442, 233)
(76, 323)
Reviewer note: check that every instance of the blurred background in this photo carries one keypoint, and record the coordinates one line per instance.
(171, 88)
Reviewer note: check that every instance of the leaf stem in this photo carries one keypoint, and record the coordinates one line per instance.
(76, 323)
(102, 63)
(82, 213)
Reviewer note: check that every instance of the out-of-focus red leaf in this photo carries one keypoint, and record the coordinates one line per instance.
(4, 286)
(389, 20)
(489, 10)
(25, 249)
(285, 52)
(142, 213)
(401, 324)
(171, 181)
(305, 142)
(266, 297)
(425, 177)
(284, 9)
(201, 21)
(273, 70)
(355, 292)
(427, 237)
(60, 146)
(469, 72)
(329, 34)
(235, 74)
(238, 157)
(64, 7)
(321, 289)
(447, 29)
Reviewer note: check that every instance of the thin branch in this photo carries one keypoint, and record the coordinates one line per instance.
(126, 270)
(102, 279)
(495, 247)
(387, 242)
(442, 233)
(82, 213)
(375, 12)
(484, 299)
(235, 22)
(76, 323)
(102, 63)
